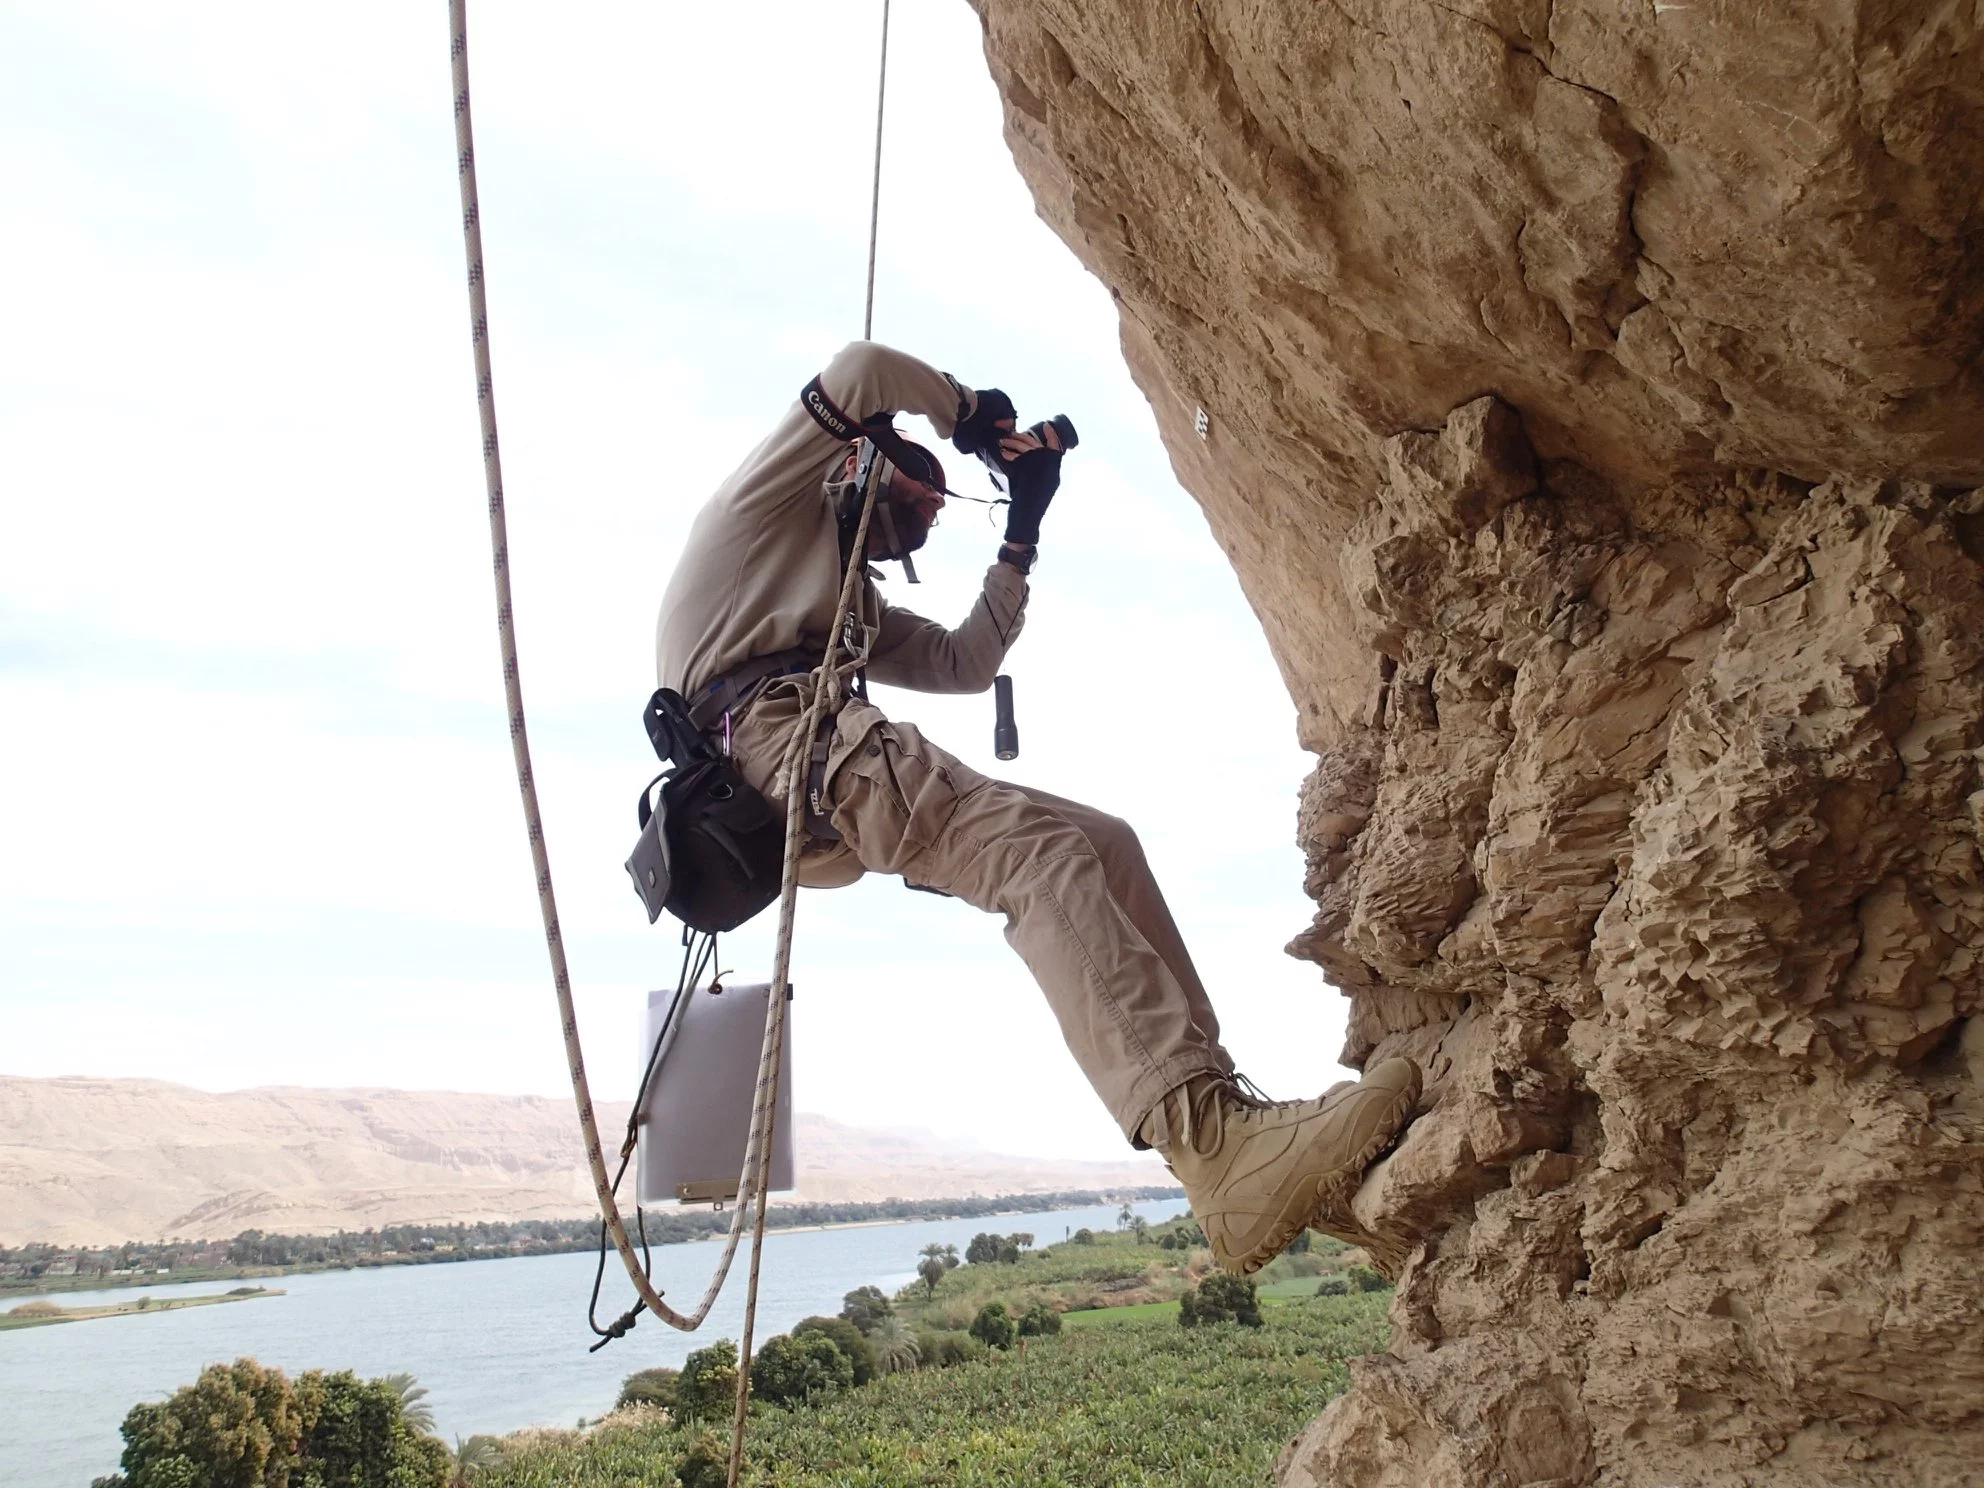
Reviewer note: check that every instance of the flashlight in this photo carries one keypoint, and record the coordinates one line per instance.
(1005, 733)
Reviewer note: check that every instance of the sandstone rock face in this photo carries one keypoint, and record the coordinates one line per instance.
(1595, 422)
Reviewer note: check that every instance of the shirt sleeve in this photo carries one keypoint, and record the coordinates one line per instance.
(910, 651)
(867, 378)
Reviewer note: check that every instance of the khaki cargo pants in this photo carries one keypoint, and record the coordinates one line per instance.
(1081, 906)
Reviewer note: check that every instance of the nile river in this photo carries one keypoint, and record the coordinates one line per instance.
(499, 1344)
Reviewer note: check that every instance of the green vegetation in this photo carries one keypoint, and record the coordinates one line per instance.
(1140, 1404)
(655, 1387)
(1220, 1299)
(41, 1314)
(243, 1426)
(707, 1388)
(994, 1326)
(48, 1268)
(1061, 1366)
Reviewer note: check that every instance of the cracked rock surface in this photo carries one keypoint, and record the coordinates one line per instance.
(1595, 423)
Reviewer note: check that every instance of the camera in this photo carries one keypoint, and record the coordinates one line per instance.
(1064, 429)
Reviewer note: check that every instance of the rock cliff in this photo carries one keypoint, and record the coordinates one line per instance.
(1592, 411)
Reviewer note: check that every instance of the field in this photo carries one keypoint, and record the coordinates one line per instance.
(1141, 1402)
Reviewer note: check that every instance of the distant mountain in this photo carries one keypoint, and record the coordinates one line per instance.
(93, 1161)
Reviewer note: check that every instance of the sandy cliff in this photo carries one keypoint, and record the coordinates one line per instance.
(100, 1161)
(1595, 422)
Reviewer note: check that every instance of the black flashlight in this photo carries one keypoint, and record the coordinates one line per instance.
(1005, 733)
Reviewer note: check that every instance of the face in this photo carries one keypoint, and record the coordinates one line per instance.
(916, 508)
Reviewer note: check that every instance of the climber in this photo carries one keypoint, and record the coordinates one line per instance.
(752, 597)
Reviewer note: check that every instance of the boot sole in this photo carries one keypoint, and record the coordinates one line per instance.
(1315, 1195)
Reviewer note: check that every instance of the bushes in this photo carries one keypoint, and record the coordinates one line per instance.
(240, 1425)
(986, 1248)
(941, 1350)
(707, 1462)
(1136, 1402)
(1332, 1286)
(1364, 1279)
(794, 1367)
(707, 1388)
(1220, 1299)
(649, 1387)
(1039, 1321)
(994, 1326)
(865, 1307)
(849, 1340)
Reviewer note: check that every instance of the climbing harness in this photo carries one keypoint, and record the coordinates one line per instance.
(824, 682)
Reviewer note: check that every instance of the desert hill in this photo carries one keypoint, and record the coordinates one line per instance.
(87, 1160)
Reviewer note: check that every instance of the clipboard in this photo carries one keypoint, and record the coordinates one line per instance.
(696, 1120)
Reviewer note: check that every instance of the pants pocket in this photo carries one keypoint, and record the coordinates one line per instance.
(892, 794)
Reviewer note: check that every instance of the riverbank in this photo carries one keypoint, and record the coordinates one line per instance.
(1067, 1364)
(38, 1270)
(42, 1314)
(500, 1347)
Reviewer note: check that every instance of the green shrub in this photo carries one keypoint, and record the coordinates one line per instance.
(1084, 1237)
(1039, 1321)
(1220, 1299)
(1364, 1279)
(1332, 1286)
(707, 1388)
(649, 1387)
(707, 1462)
(849, 1339)
(983, 1248)
(866, 1306)
(240, 1425)
(994, 1326)
(940, 1349)
(794, 1367)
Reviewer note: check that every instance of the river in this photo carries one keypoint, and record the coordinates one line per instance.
(500, 1345)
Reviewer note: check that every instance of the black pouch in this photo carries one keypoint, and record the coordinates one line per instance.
(712, 847)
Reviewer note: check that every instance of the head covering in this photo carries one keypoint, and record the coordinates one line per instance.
(919, 464)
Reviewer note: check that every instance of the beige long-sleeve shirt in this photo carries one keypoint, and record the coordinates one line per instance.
(760, 572)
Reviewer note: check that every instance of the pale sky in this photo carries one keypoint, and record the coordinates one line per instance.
(255, 784)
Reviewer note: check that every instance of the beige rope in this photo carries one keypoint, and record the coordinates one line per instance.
(825, 683)
(758, 1146)
(875, 194)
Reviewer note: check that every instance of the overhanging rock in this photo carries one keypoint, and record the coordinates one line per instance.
(1597, 427)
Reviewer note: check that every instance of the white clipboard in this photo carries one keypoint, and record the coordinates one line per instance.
(696, 1120)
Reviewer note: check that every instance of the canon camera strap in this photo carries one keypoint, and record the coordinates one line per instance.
(877, 429)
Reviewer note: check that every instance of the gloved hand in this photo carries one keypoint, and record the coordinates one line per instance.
(978, 432)
(1031, 481)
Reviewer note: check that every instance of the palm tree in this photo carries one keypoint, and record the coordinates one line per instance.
(475, 1455)
(1124, 1216)
(932, 1271)
(947, 1255)
(414, 1409)
(895, 1343)
(471, 1457)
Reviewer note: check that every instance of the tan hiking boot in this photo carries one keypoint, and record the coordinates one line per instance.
(1257, 1174)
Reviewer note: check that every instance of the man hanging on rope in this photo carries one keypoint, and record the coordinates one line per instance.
(751, 600)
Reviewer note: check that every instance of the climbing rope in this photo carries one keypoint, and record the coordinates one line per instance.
(875, 193)
(824, 683)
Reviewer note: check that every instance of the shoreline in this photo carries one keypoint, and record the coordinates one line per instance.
(142, 1307)
(12, 1288)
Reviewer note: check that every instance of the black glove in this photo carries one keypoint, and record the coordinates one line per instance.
(1031, 481)
(978, 431)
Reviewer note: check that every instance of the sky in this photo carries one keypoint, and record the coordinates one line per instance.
(255, 782)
